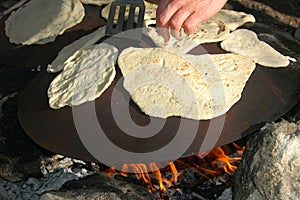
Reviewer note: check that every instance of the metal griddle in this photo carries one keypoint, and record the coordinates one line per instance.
(24, 56)
(268, 95)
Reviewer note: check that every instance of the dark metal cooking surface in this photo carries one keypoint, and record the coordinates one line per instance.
(268, 95)
(33, 55)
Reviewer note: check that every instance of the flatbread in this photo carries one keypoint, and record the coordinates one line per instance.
(215, 29)
(96, 2)
(85, 78)
(207, 32)
(40, 22)
(165, 84)
(245, 42)
(234, 19)
(150, 13)
(65, 55)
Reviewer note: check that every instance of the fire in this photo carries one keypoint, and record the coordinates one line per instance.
(221, 160)
(158, 176)
(213, 164)
(141, 173)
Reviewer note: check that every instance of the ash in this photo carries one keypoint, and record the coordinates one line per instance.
(56, 171)
(59, 170)
(179, 195)
(193, 184)
(217, 188)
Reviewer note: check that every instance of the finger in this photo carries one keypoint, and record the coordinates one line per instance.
(162, 29)
(177, 20)
(164, 32)
(191, 23)
(161, 6)
(165, 12)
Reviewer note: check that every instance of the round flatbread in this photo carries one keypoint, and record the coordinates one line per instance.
(85, 77)
(165, 84)
(234, 19)
(215, 29)
(245, 42)
(207, 32)
(65, 55)
(39, 21)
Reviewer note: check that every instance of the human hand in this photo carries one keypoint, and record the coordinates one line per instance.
(186, 14)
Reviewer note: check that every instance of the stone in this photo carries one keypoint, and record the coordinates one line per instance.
(271, 164)
(56, 172)
(99, 186)
(297, 32)
(19, 156)
(7, 169)
(7, 4)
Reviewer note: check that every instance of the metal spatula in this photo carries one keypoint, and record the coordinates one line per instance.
(120, 6)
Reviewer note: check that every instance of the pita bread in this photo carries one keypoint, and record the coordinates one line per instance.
(215, 29)
(165, 84)
(234, 19)
(66, 53)
(150, 13)
(206, 32)
(96, 2)
(245, 42)
(39, 22)
(84, 78)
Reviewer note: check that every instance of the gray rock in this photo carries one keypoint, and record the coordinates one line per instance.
(19, 156)
(3, 193)
(32, 188)
(14, 169)
(7, 166)
(80, 194)
(8, 3)
(297, 32)
(99, 187)
(271, 164)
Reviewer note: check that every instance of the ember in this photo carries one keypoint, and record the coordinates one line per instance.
(219, 161)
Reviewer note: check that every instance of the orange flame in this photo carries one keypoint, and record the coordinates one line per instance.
(223, 161)
(217, 158)
(239, 149)
(158, 176)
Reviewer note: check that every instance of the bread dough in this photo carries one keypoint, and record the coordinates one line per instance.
(215, 29)
(85, 77)
(245, 42)
(65, 55)
(40, 22)
(165, 84)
